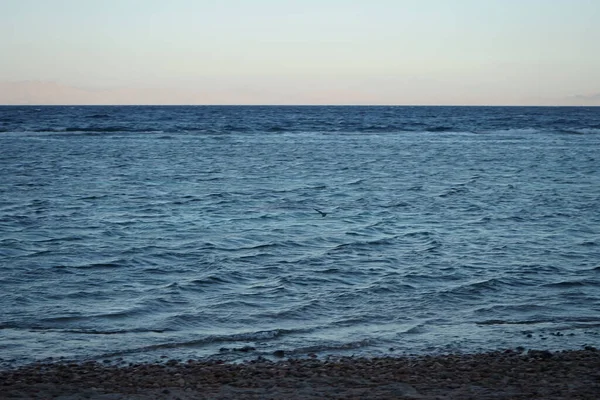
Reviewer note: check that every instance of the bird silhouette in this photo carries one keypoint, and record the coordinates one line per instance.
(323, 214)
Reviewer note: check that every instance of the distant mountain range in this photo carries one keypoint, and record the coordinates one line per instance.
(52, 93)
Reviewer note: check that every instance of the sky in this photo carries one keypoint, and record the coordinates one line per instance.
(454, 52)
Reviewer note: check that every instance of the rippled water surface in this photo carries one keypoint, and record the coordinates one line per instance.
(232, 232)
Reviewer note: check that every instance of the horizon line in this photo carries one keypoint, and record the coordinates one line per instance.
(296, 105)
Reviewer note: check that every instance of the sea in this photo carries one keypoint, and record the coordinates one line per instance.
(147, 233)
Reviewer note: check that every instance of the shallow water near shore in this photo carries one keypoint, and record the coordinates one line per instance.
(232, 232)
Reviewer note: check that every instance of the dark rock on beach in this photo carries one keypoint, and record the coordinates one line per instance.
(279, 353)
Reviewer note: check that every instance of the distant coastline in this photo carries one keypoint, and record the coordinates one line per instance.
(39, 93)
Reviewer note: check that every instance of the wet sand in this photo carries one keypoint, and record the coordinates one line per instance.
(497, 375)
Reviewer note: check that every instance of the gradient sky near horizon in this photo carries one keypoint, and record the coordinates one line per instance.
(309, 51)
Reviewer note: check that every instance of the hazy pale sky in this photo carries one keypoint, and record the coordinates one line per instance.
(307, 51)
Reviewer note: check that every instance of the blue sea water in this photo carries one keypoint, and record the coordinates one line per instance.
(137, 233)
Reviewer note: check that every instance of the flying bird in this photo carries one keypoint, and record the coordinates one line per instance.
(323, 214)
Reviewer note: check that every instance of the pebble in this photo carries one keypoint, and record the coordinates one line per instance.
(532, 374)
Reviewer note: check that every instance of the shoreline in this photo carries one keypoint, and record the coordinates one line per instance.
(508, 374)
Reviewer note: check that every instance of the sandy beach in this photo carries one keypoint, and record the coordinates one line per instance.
(509, 374)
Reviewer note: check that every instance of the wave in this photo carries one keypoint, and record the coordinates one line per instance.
(95, 116)
(99, 265)
(104, 331)
(222, 131)
(473, 290)
(209, 281)
(277, 129)
(240, 246)
(572, 284)
(96, 130)
(517, 131)
(416, 330)
(580, 131)
(327, 347)
(513, 308)
(549, 129)
(569, 322)
(65, 323)
(397, 128)
(458, 190)
(361, 244)
(513, 322)
(439, 129)
(243, 337)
